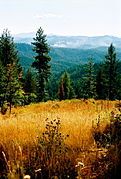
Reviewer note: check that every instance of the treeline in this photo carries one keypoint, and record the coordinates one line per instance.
(92, 80)
(38, 83)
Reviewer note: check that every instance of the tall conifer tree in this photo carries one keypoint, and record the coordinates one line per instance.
(111, 73)
(30, 87)
(89, 84)
(11, 69)
(29, 82)
(100, 83)
(65, 90)
(41, 62)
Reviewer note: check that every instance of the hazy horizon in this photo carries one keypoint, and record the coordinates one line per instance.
(68, 35)
(62, 17)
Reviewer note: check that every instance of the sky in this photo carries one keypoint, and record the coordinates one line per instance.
(62, 17)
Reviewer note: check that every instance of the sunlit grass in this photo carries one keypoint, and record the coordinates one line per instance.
(77, 118)
(24, 125)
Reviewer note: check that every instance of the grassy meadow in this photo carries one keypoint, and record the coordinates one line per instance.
(20, 130)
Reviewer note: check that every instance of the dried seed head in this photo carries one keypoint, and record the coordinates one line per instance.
(38, 170)
(80, 164)
(27, 177)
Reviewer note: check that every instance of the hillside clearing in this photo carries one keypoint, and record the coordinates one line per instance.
(20, 130)
(77, 118)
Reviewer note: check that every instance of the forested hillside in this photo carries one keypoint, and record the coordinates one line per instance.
(63, 58)
(50, 73)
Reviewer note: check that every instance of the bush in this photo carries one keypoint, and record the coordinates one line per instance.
(4, 108)
(30, 98)
(51, 157)
(108, 166)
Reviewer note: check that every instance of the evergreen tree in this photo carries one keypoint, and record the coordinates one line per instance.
(111, 73)
(13, 86)
(8, 52)
(2, 83)
(29, 82)
(65, 90)
(100, 83)
(52, 86)
(12, 70)
(89, 84)
(41, 62)
(30, 87)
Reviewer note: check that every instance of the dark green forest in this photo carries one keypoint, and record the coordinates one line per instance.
(63, 58)
(38, 72)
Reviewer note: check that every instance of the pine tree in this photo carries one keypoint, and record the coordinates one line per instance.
(52, 86)
(12, 69)
(41, 62)
(100, 83)
(12, 85)
(2, 83)
(89, 84)
(30, 87)
(8, 52)
(29, 82)
(111, 73)
(65, 90)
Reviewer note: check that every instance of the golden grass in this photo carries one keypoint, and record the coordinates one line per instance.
(77, 118)
(22, 127)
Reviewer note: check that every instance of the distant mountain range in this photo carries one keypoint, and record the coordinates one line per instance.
(63, 58)
(67, 51)
(82, 42)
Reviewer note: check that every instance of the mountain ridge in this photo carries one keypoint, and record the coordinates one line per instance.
(83, 42)
(63, 58)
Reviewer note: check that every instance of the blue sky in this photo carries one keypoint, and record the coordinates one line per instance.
(63, 17)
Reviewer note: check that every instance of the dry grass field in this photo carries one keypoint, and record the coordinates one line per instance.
(77, 119)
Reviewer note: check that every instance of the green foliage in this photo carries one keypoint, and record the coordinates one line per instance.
(65, 90)
(30, 98)
(29, 82)
(88, 83)
(10, 70)
(19, 98)
(30, 87)
(63, 58)
(111, 73)
(2, 83)
(4, 107)
(12, 84)
(100, 83)
(41, 62)
(7, 52)
(52, 86)
(108, 77)
(68, 59)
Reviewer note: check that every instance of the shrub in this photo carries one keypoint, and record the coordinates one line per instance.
(51, 157)
(108, 166)
(4, 108)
